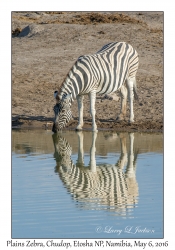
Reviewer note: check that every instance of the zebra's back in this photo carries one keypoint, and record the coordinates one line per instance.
(110, 66)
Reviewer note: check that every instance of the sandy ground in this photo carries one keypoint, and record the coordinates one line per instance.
(46, 44)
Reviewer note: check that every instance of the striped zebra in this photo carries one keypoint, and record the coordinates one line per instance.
(98, 186)
(101, 73)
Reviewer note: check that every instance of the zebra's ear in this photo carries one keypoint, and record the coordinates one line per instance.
(55, 94)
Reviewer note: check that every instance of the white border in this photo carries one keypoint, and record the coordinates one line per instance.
(5, 94)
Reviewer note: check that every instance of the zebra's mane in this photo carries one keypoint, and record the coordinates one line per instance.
(63, 82)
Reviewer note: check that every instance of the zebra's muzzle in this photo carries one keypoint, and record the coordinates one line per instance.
(55, 127)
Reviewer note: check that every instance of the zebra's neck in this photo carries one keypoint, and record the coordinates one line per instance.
(71, 84)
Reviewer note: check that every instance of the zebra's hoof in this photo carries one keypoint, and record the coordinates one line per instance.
(94, 130)
(131, 121)
(119, 119)
(79, 128)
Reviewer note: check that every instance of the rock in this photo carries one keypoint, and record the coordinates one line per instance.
(31, 30)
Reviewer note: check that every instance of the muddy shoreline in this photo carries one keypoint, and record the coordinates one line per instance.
(109, 125)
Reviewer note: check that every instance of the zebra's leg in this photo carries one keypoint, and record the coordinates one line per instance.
(130, 173)
(80, 160)
(80, 111)
(124, 156)
(92, 97)
(92, 153)
(123, 94)
(130, 168)
(130, 85)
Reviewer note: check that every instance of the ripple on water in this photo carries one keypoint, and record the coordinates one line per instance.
(66, 188)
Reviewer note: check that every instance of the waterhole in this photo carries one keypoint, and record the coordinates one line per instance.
(87, 185)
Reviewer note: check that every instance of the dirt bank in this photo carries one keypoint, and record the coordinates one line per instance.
(46, 44)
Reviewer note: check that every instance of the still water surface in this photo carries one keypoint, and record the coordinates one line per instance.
(87, 185)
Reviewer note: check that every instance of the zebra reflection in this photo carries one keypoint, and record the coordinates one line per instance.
(106, 186)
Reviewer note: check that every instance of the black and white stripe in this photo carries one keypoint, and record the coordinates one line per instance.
(104, 184)
(101, 73)
(63, 114)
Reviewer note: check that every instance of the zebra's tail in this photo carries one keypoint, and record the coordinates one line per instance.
(135, 91)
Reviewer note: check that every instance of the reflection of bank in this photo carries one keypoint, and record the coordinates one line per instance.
(106, 186)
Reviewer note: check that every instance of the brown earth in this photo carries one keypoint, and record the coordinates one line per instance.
(46, 44)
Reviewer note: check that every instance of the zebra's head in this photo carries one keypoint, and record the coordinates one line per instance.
(62, 111)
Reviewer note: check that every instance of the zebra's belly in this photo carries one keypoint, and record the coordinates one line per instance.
(101, 91)
(103, 87)
(108, 89)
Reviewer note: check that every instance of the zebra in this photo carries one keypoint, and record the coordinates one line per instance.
(108, 185)
(101, 73)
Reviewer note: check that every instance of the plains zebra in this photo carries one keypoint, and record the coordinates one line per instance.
(104, 185)
(101, 73)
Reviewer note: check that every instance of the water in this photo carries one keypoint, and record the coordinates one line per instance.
(87, 185)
